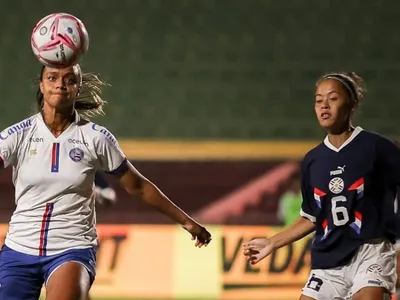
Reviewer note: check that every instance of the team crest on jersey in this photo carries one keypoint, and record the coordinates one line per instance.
(374, 269)
(336, 185)
(76, 154)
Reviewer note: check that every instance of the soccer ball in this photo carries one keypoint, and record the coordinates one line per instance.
(59, 40)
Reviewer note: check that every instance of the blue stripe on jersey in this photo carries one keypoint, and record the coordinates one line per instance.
(55, 158)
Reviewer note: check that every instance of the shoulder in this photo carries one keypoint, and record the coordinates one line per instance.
(98, 133)
(19, 128)
(382, 147)
(371, 136)
(377, 143)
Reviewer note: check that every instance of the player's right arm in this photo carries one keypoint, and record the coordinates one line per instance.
(299, 229)
(257, 249)
(8, 147)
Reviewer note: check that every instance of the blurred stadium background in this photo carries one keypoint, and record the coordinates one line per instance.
(213, 101)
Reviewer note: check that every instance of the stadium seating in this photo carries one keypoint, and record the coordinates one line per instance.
(215, 69)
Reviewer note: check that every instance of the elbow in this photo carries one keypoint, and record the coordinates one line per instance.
(132, 191)
(309, 225)
(144, 190)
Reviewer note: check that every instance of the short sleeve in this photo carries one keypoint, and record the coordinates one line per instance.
(308, 207)
(8, 148)
(110, 155)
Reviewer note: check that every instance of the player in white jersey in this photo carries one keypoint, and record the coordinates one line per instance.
(55, 155)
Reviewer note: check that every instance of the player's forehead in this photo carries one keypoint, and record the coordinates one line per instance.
(72, 70)
(328, 86)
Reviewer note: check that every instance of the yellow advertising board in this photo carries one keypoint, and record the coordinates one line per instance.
(160, 261)
(134, 261)
(281, 274)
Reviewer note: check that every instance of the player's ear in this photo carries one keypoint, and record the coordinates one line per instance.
(41, 87)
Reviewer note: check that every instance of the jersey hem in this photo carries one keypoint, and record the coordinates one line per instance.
(35, 252)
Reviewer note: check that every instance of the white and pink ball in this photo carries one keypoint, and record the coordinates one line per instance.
(59, 40)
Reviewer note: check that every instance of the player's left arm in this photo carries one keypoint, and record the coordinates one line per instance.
(138, 185)
(388, 155)
(113, 160)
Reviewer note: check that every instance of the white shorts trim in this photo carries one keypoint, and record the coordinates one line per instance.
(374, 265)
(66, 262)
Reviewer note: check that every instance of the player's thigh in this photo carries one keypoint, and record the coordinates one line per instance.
(69, 275)
(398, 267)
(376, 269)
(70, 281)
(372, 293)
(20, 277)
(326, 285)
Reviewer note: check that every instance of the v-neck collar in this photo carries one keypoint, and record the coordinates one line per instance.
(76, 121)
(356, 132)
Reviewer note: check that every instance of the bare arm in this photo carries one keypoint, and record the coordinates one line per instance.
(299, 229)
(137, 185)
(259, 248)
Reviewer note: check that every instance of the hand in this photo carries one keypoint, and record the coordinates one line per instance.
(257, 249)
(199, 233)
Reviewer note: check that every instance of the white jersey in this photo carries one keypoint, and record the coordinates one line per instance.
(53, 179)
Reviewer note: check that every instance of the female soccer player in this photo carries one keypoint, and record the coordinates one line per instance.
(348, 185)
(55, 155)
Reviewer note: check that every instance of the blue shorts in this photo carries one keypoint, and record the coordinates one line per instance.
(22, 275)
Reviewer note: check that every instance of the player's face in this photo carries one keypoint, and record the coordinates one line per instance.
(60, 86)
(332, 105)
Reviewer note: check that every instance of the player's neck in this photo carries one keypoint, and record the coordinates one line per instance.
(57, 121)
(337, 139)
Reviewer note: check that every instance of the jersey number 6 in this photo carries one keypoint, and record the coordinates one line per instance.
(339, 213)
